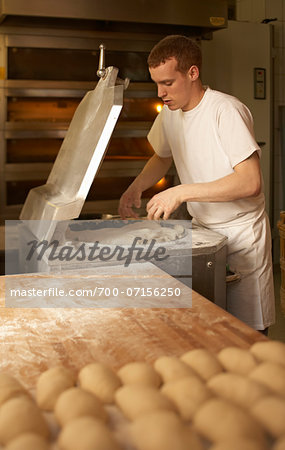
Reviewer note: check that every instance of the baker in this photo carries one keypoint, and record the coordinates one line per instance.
(210, 137)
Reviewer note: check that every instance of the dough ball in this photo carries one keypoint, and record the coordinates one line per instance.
(28, 441)
(271, 375)
(187, 394)
(237, 388)
(270, 412)
(163, 430)
(10, 387)
(180, 231)
(76, 402)
(279, 444)
(237, 360)
(239, 444)
(171, 368)
(100, 380)
(135, 400)
(273, 351)
(20, 415)
(139, 373)
(86, 433)
(219, 420)
(51, 384)
(203, 362)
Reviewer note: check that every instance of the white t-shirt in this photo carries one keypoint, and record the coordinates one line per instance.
(206, 143)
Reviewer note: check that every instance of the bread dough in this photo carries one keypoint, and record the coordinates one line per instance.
(20, 415)
(239, 444)
(10, 387)
(171, 368)
(100, 380)
(125, 235)
(51, 384)
(237, 389)
(270, 412)
(273, 351)
(28, 441)
(163, 430)
(279, 444)
(218, 420)
(86, 433)
(76, 402)
(135, 400)
(271, 375)
(139, 372)
(237, 360)
(203, 362)
(187, 394)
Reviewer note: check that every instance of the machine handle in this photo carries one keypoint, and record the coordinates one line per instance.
(101, 68)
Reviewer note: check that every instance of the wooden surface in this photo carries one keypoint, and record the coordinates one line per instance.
(33, 340)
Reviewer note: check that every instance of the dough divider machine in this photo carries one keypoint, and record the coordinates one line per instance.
(198, 258)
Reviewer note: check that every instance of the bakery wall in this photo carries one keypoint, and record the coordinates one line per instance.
(257, 11)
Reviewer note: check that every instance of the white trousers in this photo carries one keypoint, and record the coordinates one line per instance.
(249, 253)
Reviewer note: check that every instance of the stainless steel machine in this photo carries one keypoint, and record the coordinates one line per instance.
(197, 258)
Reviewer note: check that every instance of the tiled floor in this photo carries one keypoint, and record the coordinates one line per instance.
(277, 331)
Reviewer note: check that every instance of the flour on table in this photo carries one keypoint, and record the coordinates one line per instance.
(125, 235)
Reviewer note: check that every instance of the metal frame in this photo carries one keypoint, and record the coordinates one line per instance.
(205, 13)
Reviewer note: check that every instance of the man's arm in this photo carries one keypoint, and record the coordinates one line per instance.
(153, 171)
(244, 182)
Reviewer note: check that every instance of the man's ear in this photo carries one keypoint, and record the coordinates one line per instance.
(193, 73)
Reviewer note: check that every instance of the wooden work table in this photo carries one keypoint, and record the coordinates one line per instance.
(34, 339)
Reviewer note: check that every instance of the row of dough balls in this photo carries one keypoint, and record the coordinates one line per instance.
(235, 400)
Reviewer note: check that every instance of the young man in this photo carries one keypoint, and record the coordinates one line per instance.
(210, 137)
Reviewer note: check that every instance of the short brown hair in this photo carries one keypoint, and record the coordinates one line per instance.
(186, 52)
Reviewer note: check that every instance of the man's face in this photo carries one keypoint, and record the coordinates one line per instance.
(173, 87)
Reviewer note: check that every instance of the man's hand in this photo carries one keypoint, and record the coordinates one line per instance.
(130, 198)
(153, 171)
(164, 203)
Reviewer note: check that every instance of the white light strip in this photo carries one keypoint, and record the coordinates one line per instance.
(99, 151)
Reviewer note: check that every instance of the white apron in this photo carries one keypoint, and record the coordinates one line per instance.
(249, 253)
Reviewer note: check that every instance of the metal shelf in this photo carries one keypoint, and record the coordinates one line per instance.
(35, 171)
(14, 130)
(50, 88)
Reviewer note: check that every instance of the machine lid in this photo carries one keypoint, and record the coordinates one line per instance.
(79, 158)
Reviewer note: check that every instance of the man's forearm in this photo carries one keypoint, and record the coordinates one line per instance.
(224, 190)
(152, 172)
(244, 182)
